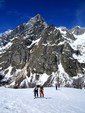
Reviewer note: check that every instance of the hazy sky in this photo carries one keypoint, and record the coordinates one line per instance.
(68, 13)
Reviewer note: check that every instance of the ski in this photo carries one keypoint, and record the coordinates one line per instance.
(40, 98)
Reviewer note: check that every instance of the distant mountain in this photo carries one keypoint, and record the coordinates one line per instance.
(35, 53)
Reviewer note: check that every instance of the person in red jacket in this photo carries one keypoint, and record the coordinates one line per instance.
(41, 91)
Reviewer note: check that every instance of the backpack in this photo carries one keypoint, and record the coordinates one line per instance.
(41, 88)
(35, 89)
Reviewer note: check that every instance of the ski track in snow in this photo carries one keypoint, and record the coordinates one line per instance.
(63, 100)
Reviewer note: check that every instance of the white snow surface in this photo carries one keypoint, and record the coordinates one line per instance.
(42, 78)
(63, 100)
(61, 29)
(34, 42)
(4, 48)
(79, 44)
(6, 32)
(9, 71)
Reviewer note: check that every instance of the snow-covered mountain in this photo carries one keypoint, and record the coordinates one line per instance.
(35, 53)
(63, 100)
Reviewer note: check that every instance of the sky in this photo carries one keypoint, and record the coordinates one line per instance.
(68, 13)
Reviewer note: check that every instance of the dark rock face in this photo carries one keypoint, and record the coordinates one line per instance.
(17, 55)
(45, 52)
(70, 65)
(79, 82)
(34, 48)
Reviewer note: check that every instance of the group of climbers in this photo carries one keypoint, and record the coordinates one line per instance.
(38, 90)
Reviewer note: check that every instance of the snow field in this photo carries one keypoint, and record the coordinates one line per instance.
(63, 100)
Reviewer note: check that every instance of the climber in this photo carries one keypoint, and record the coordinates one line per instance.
(41, 91)
(35, 91)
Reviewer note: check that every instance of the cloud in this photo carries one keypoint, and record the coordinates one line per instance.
(2, 4)
(80, 15)
(25, 16)
(13, 12)
(18, 14)
(4, 27)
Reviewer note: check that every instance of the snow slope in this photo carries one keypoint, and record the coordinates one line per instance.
(79, 44)
(63, 100)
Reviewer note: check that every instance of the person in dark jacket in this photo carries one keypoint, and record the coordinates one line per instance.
(56, 86)
(35, 91)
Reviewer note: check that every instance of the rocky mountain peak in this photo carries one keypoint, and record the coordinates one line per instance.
(37, 53)
(30, 30)
(37, 19)
(78, 30)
